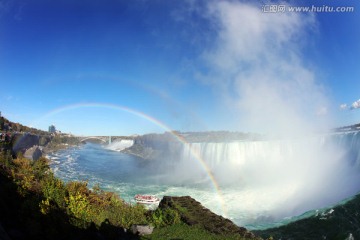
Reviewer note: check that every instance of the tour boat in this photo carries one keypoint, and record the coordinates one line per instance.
(146, 199)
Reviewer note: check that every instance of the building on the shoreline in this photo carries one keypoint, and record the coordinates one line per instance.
(52, 129)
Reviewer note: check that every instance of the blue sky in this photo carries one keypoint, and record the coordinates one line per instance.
(133, 67)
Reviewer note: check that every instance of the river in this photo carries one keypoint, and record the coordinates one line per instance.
(255, 184)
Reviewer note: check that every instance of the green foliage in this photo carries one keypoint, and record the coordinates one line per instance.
(41, 167)
(54, 190)
(2, 121)
(23, 175)
(186, 232)
(27, 174)
(165, 217)
(45, 206)
(97, 206)
(79, 206)
(77, 187)
(124, 215)
(5, 159)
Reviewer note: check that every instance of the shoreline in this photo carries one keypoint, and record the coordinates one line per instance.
(47, 150)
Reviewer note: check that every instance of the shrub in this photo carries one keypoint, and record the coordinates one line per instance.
(6, 158)
(122, 214)
(54, 190)
(40, 167)
(165, 217)
(98, 206)
(77, 187)
(23, 175)
(79, 206)
(45, 206)
(48, 197)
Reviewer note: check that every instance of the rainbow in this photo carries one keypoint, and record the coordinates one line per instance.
(155, 121)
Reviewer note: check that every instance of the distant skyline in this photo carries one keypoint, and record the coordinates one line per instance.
(135, 67)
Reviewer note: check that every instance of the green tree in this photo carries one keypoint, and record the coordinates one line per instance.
(2, 122)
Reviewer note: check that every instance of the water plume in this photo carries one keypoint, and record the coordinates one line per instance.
(263, 182)
(258, 64)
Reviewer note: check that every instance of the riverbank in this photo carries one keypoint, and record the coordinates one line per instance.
(58, 147)
(35, 204)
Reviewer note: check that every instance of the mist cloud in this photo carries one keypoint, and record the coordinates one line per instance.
(258, 66)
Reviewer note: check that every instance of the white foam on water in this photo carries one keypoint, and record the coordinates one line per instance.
(120, 145)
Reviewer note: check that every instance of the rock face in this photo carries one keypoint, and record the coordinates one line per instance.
(193, 213)
(24, 141)
(33, 153)
(155, 146)
(142, 229)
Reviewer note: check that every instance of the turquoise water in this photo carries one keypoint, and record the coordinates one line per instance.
(257, 197)
(127, 175)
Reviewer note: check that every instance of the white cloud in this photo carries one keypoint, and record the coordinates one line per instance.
(257, 64)
(343, 106)
(355, 104)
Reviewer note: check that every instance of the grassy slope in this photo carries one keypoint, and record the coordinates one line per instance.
(202, 219)
(184, 231)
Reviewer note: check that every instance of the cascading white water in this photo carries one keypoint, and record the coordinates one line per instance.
(281, 178)
(119, 145)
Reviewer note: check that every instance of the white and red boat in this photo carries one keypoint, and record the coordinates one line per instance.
(146, 199)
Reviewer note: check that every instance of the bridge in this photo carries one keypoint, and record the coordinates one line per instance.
(98, 139)
(103, 139)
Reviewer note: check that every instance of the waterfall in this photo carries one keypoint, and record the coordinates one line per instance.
(350, 142)
(241, 153)
(119, 145)
(284, 177)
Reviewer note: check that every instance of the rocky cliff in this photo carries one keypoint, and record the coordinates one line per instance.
(155, 146)
(22, 142)
(33, 153)
(194, 214)
(29, 144)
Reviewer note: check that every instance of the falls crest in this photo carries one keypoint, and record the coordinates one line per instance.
(290, 176)
(241, 152)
